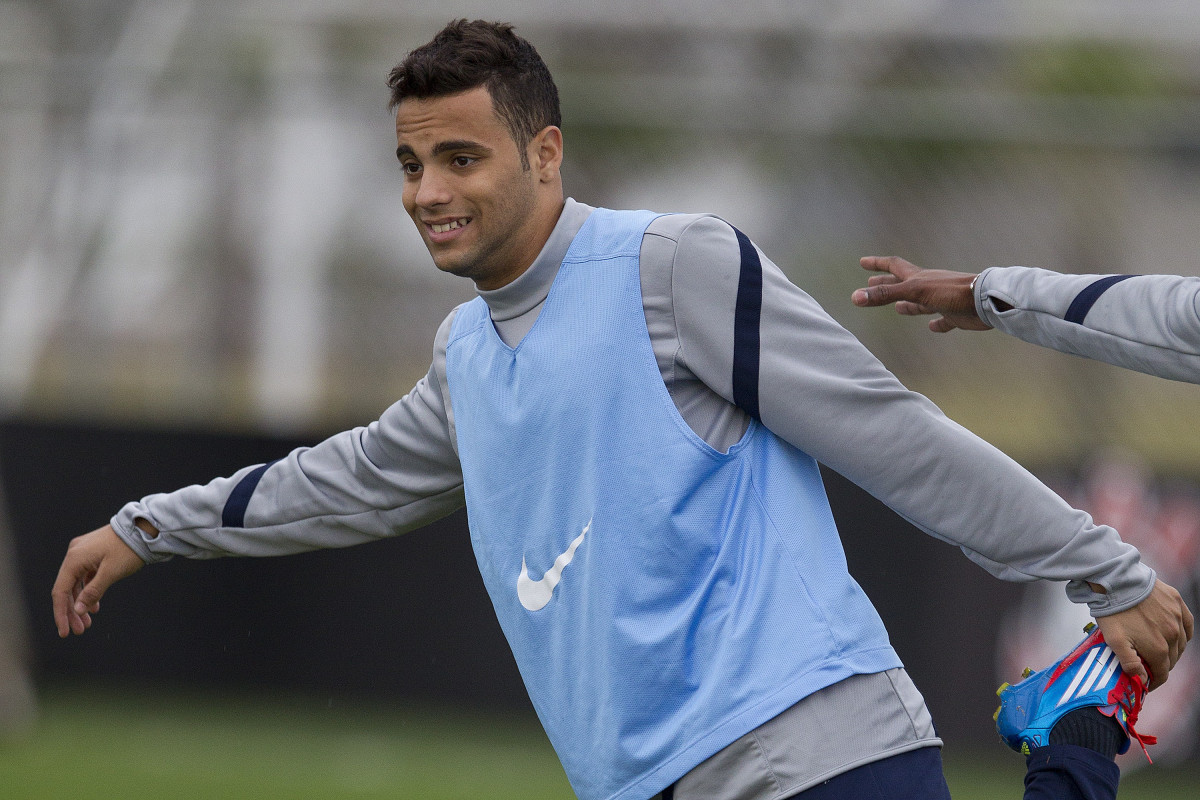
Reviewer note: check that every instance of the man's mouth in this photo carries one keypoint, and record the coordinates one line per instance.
(446, 227)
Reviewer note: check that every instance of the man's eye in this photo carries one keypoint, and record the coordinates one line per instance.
(463, 161)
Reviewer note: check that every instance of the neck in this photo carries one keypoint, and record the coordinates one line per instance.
(540, 231)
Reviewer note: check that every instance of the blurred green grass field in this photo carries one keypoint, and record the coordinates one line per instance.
(107, 743)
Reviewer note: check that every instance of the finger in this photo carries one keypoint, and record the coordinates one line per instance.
(882, 280)
(62, 597)
(80, 616)
(910, 309)
(88, 599)
(1179, 626)
(80, 619)
(1131, 662)
(1179, 642)
(81, 606)
(62, 622)
(76, 622)
(941, 325)
(878, 295)
(80, 623)
(893, 264)
(1155, 668)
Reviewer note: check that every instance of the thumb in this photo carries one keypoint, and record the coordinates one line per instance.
(111, 569)
(88, 599)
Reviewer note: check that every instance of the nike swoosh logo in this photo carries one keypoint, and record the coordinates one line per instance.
(534, 595)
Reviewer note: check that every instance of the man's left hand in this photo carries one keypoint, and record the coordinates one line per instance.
(1149, 638)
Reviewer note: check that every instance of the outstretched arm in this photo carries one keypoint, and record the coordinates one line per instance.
(822, 391)
(1147, 323)
(915, 291)
(396, 474)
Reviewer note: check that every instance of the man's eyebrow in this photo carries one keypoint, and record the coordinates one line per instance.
(442, 147)
(459, 144)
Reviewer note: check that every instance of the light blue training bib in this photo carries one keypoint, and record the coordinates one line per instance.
(661, 598)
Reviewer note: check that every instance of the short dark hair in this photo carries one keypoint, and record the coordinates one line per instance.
(466, 55)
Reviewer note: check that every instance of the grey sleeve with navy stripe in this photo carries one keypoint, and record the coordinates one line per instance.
(819, 388)
(394, 475)
(1148, 323)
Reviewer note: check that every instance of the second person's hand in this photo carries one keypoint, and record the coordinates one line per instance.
(920, 291)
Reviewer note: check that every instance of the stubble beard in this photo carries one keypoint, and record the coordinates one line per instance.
(491, 255)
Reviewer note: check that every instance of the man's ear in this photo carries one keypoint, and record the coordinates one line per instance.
(546, 153)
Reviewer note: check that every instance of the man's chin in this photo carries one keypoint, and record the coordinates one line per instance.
(462, 268)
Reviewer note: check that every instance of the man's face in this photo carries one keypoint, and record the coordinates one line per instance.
(476, 206)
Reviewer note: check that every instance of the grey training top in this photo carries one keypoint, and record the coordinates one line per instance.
(819, 389)
(1148, 323)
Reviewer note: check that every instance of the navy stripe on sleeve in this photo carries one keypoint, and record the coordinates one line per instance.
(234, 513)
(1084, 301)
(746, 318)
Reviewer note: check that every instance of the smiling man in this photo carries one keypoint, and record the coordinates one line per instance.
(633, 411)
(484, 200)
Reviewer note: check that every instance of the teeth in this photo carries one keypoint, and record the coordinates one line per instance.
(449, 226)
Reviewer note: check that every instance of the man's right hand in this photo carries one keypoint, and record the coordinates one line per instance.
(920, 291)
(94, 562)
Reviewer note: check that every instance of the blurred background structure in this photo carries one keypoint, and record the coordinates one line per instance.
(201, 227)
(200, 217)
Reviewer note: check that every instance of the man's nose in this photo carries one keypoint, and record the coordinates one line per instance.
(433, 189)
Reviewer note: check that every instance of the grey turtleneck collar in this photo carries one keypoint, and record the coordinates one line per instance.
(514, 306)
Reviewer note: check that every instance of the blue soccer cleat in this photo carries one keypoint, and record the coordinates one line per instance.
(1090, 675)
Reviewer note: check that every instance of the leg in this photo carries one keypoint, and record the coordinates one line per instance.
(915, 775)
(1070, 720)
(1070, 772)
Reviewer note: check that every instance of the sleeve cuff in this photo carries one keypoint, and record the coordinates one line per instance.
(979, 293)
(133, 536)
(1117, 599)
